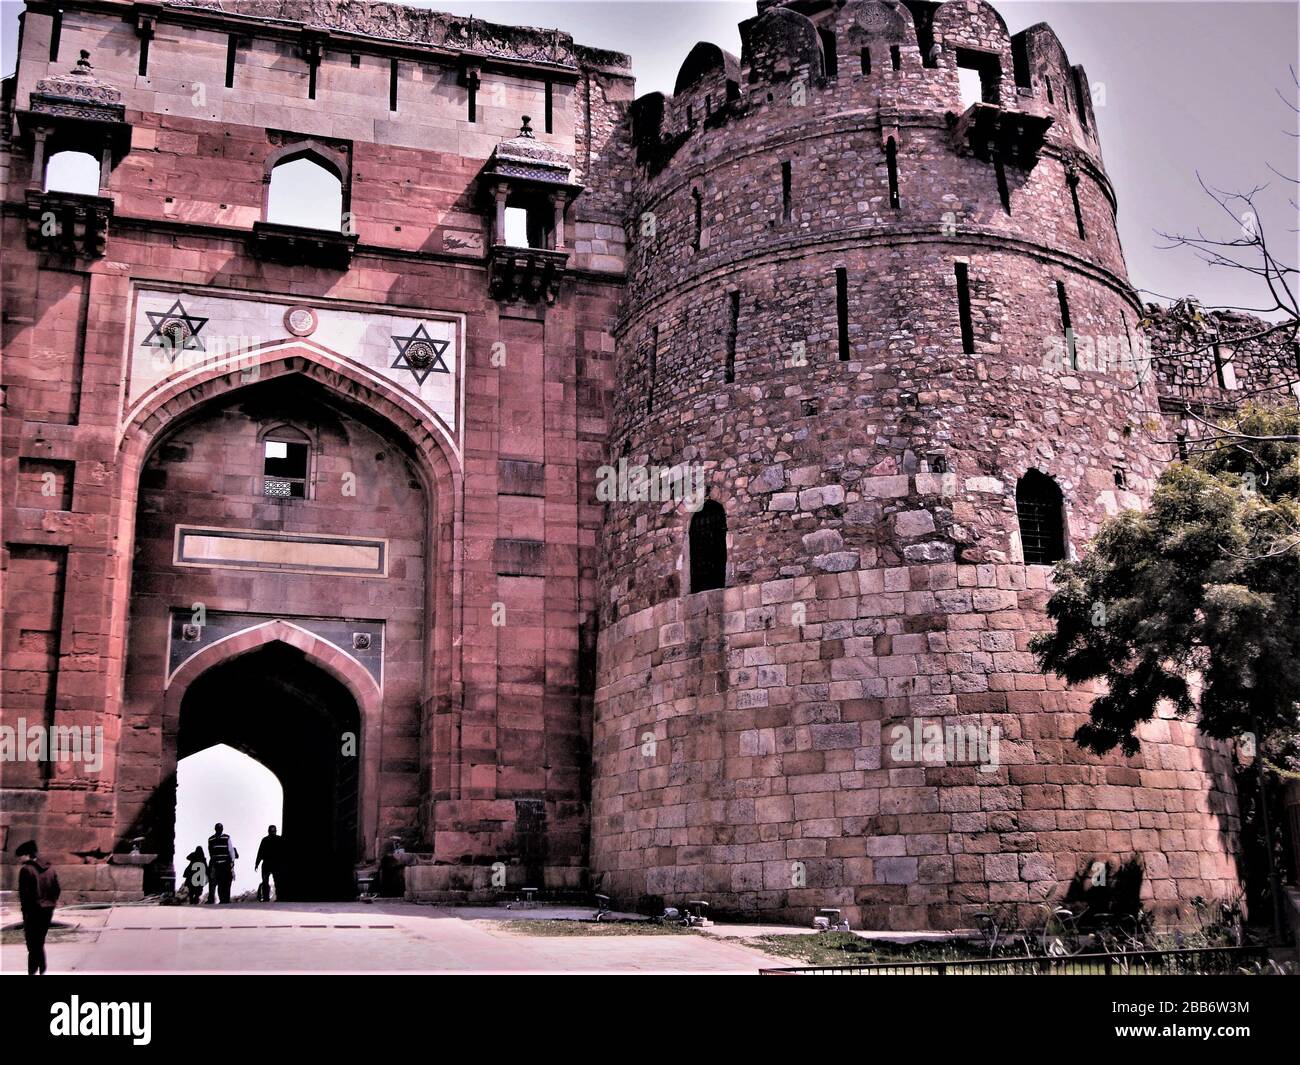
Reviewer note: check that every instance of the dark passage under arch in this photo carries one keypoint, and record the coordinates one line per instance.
(281, 709)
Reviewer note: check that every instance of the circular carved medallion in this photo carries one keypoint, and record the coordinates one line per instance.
(174, 333)
(300, 321)
(420, 353)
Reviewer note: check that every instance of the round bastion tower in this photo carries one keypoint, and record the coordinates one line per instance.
(876, 298)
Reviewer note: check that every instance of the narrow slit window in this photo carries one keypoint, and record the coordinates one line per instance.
(785, 191)
(652, 369)
(963, 308)
(232, 51)
(866, 60)
(1040, 510)
(733, 331)
(842, 310)
(1020, 62)
(1078, 208)
(312, 67)
(1051, 98)
(472, 101)
(550, 107)
(697, 206)
(56, 31)
(708, 547)
(1080, 103)
(1223, 369)
(1066, 327)
(284, 468)
(1004, 190)
(143, 70)
(895, 57)
(392, 84)
(891, 163)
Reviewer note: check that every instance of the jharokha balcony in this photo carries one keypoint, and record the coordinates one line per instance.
(526, 185)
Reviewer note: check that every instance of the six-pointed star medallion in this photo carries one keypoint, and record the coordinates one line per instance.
(420, 354)
(174, 330)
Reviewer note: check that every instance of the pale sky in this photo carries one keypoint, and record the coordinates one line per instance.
(1188, 87)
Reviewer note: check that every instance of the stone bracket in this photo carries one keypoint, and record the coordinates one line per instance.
(989, 130)
(299, 245)
(525, 273)
(68, 223)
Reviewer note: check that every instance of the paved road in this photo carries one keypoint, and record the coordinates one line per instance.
(355, 937)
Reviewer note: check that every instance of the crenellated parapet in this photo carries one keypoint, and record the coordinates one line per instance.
(873, 120)
(836, 51)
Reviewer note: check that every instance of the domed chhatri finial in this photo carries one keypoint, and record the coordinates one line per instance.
(526, 130)
(83, 66)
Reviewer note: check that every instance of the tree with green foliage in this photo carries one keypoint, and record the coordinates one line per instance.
(1196, 600)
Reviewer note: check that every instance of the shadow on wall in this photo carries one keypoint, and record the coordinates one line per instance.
(1107, 892)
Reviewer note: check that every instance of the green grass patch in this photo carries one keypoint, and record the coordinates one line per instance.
(561, 927)
(844, 948)
(13, 936)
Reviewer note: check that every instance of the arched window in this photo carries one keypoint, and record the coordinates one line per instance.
(1041, 511)
(830, 55)
(708, 547)
(72, 172)
(306, 193)
(286, 463)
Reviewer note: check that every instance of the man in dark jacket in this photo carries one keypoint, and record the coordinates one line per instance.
(221, 864)
(38, 894)
(268, 857)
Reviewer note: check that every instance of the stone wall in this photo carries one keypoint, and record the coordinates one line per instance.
(747, 748)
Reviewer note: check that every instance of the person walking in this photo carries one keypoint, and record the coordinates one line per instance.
(195, 875)
(38, 894)
(221, 864)
(268, 857)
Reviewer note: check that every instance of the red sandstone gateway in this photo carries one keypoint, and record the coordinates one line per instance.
(323, 487)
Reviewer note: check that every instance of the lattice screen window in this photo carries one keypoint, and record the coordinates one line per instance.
(285, 465)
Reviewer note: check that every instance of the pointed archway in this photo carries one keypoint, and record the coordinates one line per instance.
(281, 707)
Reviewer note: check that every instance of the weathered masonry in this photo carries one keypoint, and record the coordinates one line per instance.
(337, 452)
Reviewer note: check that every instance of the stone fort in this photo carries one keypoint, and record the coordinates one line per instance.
(332, 493)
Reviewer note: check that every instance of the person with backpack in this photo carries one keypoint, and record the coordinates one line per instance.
(221, 864)
(38, 894)
(195, 875)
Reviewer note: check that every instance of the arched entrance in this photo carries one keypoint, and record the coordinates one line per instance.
(285, 711)
(338, 569)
